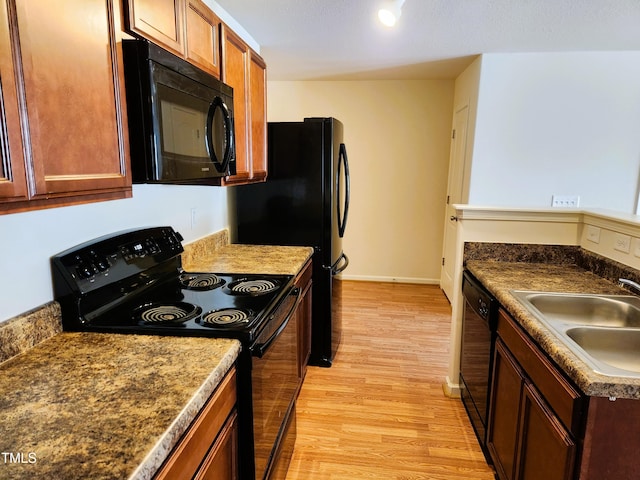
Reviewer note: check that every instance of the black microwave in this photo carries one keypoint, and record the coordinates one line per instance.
(181, 127)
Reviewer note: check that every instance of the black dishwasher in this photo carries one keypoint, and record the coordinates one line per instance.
(476, 353)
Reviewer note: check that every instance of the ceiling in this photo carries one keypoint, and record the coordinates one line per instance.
(342, 39)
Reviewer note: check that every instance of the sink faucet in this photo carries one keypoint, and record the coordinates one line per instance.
(630, 283)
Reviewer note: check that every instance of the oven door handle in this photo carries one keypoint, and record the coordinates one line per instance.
(261, 349)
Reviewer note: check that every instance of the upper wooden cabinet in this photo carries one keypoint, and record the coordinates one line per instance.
(258, 116)
(187, 28)
(203, 37)
(245, 71)
(161, 21)
(13, 184)
(63, 140)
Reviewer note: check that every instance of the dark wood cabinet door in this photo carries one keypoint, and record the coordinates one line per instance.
(76, 144)
(504, 413)
(546, 451)
(203, 37)
(160, 21)
(13, 183)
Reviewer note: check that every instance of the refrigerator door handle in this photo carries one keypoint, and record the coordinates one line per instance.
(337, 268)
(342, 217)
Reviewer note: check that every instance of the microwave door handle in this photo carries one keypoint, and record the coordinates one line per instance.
(228, 136)
(221, 164)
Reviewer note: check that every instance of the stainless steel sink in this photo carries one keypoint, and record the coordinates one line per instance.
(618, 348)
(603, 330)
(598, 310)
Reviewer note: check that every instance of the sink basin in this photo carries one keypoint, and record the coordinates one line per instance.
(618, 348)
(597, 310)
(602, 330)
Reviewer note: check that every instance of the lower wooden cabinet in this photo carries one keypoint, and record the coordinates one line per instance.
(209, 448)
(222, 461)
(546, 449)
(526, 438)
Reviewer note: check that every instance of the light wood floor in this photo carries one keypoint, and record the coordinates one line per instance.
(379, 412)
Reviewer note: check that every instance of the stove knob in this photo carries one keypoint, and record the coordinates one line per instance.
(102, 264)
(84, 270)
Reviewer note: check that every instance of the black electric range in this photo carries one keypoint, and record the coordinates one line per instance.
(133, 282)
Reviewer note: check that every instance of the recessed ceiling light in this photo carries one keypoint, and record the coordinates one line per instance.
(390, 12)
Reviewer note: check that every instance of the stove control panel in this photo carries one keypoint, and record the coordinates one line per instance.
(113, 259)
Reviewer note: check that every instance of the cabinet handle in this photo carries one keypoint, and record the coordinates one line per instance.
(453, 218)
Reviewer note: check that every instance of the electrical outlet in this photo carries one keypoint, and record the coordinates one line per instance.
(593, 234)
(193, 217)
(622, 243)
(565, 201)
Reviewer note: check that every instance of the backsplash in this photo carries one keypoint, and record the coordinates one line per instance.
(20, 333)
(557, 254)
(204, 247)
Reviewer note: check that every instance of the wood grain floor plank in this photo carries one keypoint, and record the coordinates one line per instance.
(379, 412)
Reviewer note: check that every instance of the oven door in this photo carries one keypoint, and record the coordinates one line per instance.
(274, 377)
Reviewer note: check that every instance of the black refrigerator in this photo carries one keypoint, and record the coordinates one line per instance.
(305, 201)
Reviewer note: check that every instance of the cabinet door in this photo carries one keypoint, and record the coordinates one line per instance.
(77, 144)
(13, 184)
(235, 58)
(222, 461)
(547, 451)
(212, 425)
(203, 37)
(258, 111)
(504, 413)
(160, 21)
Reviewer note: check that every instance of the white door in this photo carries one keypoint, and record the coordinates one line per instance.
(455, 191)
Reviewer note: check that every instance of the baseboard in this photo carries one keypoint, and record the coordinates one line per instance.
(450, 389)
(371, 278)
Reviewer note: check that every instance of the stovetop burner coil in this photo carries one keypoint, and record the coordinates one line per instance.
(159, 314)
(226, 317)
(253, 287)
(200, 281)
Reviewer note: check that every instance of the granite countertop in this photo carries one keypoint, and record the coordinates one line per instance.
(91, 405)
(502, 277)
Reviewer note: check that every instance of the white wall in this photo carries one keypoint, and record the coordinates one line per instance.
(397, 135)
(558, 123)
(28, 240)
